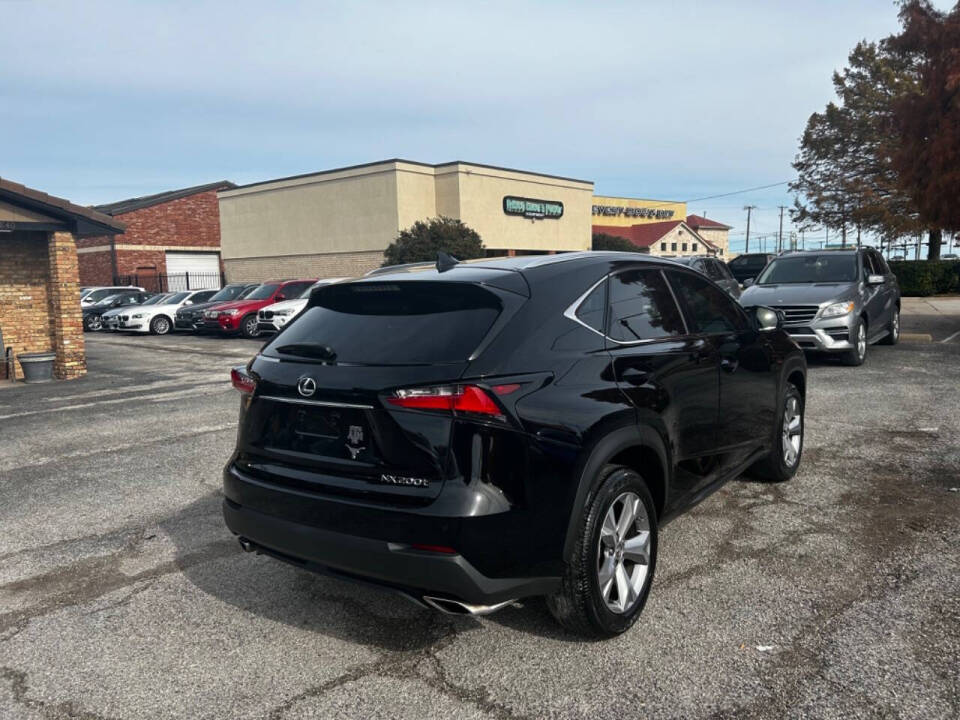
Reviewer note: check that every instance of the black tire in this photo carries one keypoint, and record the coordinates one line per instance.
(774, 467)
(92, 323)
(248, 326)
(578, 605)
(858, 353)
(160, 325)
(893, 329)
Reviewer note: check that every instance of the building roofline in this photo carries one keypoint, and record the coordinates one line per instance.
(388, 161)
(658, 200)
(139, 203)
(84, 221)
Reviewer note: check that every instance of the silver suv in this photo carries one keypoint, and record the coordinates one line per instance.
(836, 301)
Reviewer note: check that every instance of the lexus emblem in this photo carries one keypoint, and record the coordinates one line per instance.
(307, 386)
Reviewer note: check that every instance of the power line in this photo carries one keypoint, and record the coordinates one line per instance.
(739, 192)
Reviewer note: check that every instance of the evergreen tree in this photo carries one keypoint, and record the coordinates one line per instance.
(423, 240)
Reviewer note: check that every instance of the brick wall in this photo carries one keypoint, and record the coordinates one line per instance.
(40, 299)
(189, 222)
(302, 266)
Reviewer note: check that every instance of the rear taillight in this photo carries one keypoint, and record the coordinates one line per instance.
(242, 382)
(456, 398)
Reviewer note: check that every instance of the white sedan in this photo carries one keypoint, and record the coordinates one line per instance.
(158, 319)
(111, 318)
(272, 318)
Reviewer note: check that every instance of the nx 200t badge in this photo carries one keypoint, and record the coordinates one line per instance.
(400, 480)
(307, 386)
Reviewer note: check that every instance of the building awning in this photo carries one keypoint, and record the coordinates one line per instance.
(22, 208)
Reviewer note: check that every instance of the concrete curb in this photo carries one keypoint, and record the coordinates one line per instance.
(916, 337)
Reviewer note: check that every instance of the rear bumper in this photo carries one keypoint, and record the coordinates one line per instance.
(393, 565)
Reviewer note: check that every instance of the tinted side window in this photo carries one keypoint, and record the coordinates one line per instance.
(641, 307)
(590, 311)
(713, 270)
(711, 309)
(295, 289)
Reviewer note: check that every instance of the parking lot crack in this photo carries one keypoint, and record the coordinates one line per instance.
(17, 680)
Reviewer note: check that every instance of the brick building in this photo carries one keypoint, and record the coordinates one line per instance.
(39, 290)
(172, 241)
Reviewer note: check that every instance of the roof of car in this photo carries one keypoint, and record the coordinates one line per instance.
(519, 263)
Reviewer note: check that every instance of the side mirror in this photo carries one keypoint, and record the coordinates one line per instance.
(279, 296)
(875, 279)
(747, 283)
(767, 319)
(188, 302)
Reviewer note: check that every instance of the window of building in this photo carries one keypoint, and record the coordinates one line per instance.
(694, 247)
(684, 247)
(642, 307)
(673, 247)
(663, 247)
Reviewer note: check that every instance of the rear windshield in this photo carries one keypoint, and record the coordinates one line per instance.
(408, 323)
(810, 269)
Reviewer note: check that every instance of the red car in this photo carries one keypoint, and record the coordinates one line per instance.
(240, 316)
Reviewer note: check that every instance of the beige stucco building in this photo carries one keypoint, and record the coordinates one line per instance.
(339, 222)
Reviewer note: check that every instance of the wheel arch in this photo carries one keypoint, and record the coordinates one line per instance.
(638, 447)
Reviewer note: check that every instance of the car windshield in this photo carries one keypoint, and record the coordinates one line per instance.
(175, 298)
(230, 292)
(155, 299)
(825, 268)
(107, 299)
(262, 292)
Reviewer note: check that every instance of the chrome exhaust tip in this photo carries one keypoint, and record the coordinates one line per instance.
(247, 545)
(456, 607)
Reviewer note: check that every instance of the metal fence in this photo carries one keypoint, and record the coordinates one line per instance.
(172, 282)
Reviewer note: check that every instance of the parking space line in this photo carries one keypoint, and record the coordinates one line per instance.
(948, 339)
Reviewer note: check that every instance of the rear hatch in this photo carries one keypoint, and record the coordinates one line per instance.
(320, 419)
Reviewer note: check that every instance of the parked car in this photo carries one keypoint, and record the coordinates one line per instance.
(272, 318)
(898, 258)
(240, 316)
(110, 320)
(93, 295)
(93, 313)
(714, 269)
(950, 256)
(508, 428)
(190, 317)
(158, 319)
(835, 301)
(748, 266)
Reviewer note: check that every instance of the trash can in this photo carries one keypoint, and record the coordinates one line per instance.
(37, 367)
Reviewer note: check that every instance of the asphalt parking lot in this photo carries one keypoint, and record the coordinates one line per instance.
(122, 595)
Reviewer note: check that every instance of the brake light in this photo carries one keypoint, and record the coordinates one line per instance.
(455, 398)
(242, 382)
(434, 548)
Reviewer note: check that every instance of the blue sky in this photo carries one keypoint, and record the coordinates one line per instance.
(101, 101)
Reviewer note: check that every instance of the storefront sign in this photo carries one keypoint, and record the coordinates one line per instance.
(635, 212)
(535, 209)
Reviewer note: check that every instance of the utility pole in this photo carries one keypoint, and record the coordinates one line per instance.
(780, 236)
(749, 209)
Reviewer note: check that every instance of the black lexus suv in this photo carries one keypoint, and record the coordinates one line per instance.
(500, 429)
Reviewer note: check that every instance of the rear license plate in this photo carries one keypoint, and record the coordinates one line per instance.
(340, 433)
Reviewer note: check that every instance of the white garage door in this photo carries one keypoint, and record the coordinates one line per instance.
(193, 270)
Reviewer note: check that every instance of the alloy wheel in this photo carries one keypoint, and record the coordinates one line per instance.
(895, 325)
(792, 431)
(861, 341)
(623, 553)
(95, 323)
(161, 326)
(250, 327)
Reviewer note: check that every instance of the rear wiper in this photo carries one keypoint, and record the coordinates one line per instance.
(310, 350)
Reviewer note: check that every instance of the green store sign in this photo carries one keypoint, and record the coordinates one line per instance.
(535, 209)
